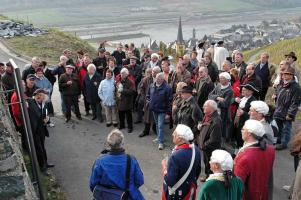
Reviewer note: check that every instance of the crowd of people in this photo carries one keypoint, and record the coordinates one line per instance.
(210, 97)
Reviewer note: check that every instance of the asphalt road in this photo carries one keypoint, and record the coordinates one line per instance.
(74, 147)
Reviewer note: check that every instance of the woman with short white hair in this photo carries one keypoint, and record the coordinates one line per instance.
(222, 184)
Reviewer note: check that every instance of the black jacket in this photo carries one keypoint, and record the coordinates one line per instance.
(242, 71)
(209, 138)
(100, 62)
(190, 67)
(118, 56)
(136, 72)
(137, 53)
(90, 91)
(116, 71)
(202, 96)
(127, 62)
(51, 78)
(27, 71)
(288, 100)
(69, 90)
(213, 71)
(256, 80)
(29, 91)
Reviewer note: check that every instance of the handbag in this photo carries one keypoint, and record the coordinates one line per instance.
(105, 192)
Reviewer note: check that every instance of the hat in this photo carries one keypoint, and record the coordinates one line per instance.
(133, 57)
(200, 45)
(255, 127)
(250, 86)
(187, 89)
(226, 75)
(69, 66)
(147, 56)
(184, 132)
(223, 158)
(289, 70)
(260, 107)
(165, 58)
(213, 43)
(102, 50)
(156, 55)
(220, 42)
(29, 76)
(38, 91)
(292, 54)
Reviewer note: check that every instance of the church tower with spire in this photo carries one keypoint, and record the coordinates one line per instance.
(179, 43)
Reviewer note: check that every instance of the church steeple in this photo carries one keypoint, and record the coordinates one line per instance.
(180, 34)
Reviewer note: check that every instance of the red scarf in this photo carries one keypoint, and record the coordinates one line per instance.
(246, 80)
(206, 119)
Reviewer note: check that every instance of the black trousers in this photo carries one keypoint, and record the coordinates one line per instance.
(129, 118)
(263, 93)
(147, 127)
(39, 143)
(238, 136)
(96, 109)
(206, 159)
(69, 101)
(87, 104)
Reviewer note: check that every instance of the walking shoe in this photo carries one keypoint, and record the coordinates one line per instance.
(156, 141)
(87, 113)
(121, 127)
(130, 130)
(287, 188)
(79, 117)
(67, 119)
(161, 147)
(143, 134)
(108, 125)
(93, 118)
(100, 119)
(50, 125)
(280, 147)
(49, 165)
(138, 122)
(115, 125)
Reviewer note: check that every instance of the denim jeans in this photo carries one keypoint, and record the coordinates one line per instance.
(160, 119)
(140, 112)
(120, 67)
(284, 131)
(64, 110)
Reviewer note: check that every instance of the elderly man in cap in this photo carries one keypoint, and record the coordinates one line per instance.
(209, 138)
(287, 98)
(30, 85)
(222, 184)
(223, 95)
(291, 58)
(38, 116)
(220, 54)
(135, 70)
(251, 77)
(278, 75)
(100, 62)
(243, 103)
(145, 65)
(181, 74)
(159, 99)
(254, 161)
(70, 86)
(189, 113)
(182, 169)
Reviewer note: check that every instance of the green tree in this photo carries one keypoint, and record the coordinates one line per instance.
(164, 50)
(274, 21)
(169, 50)
(161, 46)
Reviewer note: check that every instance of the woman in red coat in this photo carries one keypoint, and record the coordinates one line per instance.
(236, 89)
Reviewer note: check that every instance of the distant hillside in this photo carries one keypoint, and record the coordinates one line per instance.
(276, 3)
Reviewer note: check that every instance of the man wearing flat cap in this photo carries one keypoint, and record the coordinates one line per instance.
(189, 113)
(254, 161)
(220, 55)
(145, 64)
(185, 158)
(287, 98)
(30, 85)
(291, 58)
(135, 70)
(252, 77)
(38, 116)
(70, 86)
(223, 95)
(100, 62)
(243, 103)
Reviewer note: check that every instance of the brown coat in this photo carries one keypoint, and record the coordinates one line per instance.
(148, 115)
(296, 144)
(125, 101)
(185, 77)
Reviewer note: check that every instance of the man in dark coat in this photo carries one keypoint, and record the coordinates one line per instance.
(32, 69)
(223, 95)
(209, 138)
(70, 86)
(212, 69)
(124, 92)
(159, 99)
(287, 98)
(251, 77)
(203, 86)
(179, 163)
(136, 51)
(119, 55)
(127, 60)
(189, 113)
(100, 62)
(187, 64)
(30, 85)
(70, 61)
(145, 65)
(239, 64)
(135, 70)
(243, 103)
(148, 115)
(82, 71)
(37, 110)
(91, 83)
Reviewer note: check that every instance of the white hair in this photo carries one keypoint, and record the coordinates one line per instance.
(223, 158)
(91, 66)
(184, 132)
(156, 55)
(157, 67)
(35, 58)
(227, 63)
(260, 107)
(115, 139)
(226, 75)
(212, 104)
(255, 127)
(63, 57)
(125, 70)
(161, 75)
(186, 56)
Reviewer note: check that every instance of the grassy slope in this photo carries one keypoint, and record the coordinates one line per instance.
(49, 47)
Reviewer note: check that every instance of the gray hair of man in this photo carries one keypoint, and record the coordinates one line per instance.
(91, 66)
(205, 69)
(202, 60)
(212, 104)
(66, 51)
(63, 57)
(161, 75)
(186, 56)
(115, 139)
(157, 68)
(266, 54)
(35, 58)
(227, 63)
(125, 70)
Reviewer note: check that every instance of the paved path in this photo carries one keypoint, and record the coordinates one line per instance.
(253, 58)
(73, 147)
